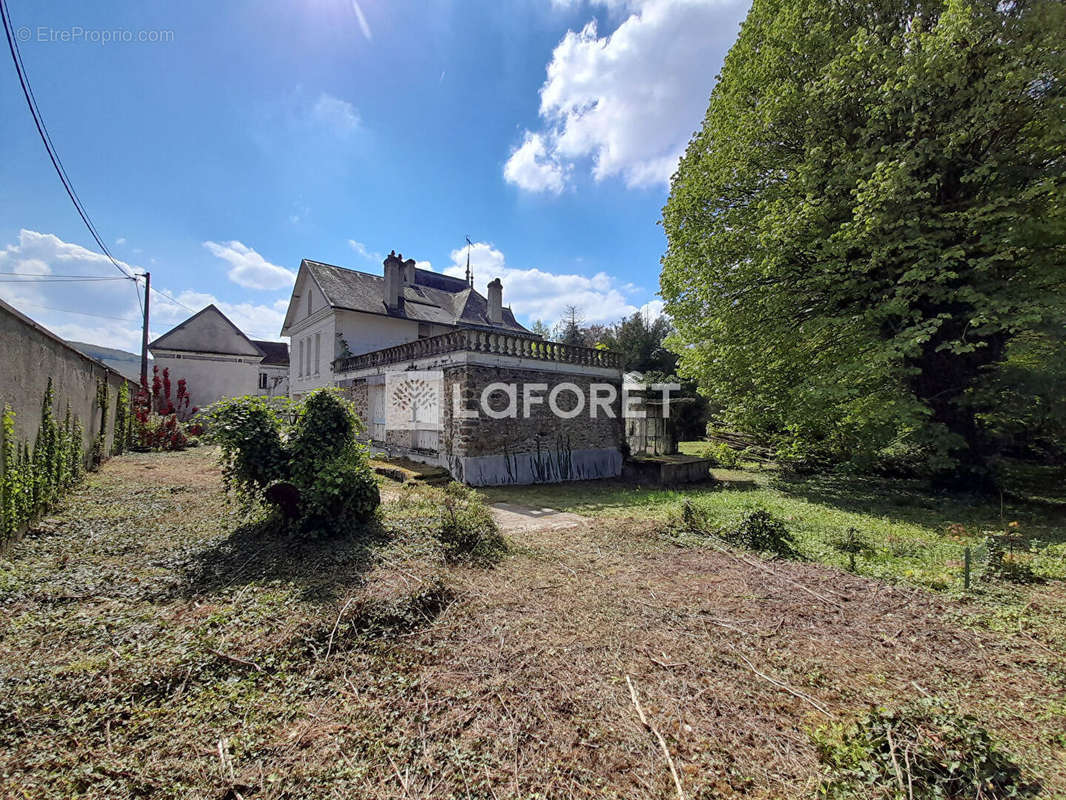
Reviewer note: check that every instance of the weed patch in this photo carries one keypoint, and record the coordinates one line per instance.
(378, 618)
(762, 532)
(758, 530)
(923, 751)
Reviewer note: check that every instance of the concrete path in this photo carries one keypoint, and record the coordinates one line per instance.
(515, 518)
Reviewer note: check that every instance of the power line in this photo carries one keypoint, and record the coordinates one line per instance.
(137, 291)
(82, 313)
(42, 130)
(27, 277)
(173, 299)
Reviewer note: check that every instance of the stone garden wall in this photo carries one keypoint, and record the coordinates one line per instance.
(31, 356)
(540, 448)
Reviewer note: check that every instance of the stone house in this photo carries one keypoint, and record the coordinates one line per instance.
(218, 360)
(336, 312)
(430, 363)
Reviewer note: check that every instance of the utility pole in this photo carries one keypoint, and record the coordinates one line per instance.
(144, 331)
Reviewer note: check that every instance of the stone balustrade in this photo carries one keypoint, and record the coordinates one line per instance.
(478, 341)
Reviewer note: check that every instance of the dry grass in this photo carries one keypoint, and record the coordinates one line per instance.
(153, 645)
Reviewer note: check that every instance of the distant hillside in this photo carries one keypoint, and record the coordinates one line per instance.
(126, 364)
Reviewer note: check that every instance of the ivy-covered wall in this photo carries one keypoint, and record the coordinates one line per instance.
(59, 417)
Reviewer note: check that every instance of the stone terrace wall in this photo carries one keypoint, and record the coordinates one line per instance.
(542, 448)
(358, 392)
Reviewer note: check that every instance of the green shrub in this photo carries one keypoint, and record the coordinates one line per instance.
(719, 453)
(122, 420)
(693, 519)
(99, 451)
(923, 751)
(248, 431)
(1003, 562)
(467, 529)
(761, 531)
(722, 455)
(312, 470)
(343, 489)
(325, 429)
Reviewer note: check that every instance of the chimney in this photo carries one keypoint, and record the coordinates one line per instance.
(409, 272)
(496, 302)
(393, 281)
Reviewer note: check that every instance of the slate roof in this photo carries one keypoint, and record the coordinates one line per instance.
(207, 331)
(433, 297)
(277, 353)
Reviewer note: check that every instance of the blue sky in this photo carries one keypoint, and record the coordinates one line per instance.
(265, 132)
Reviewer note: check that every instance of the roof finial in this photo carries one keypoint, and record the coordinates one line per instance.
(469, 274)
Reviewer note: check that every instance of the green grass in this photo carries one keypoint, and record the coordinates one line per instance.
(909, 534)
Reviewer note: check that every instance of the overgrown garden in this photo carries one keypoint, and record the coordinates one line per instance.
(33, 477)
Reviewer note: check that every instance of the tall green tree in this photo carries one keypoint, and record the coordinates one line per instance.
(641, 343)
(569, 330)
(870, 215)
(541, 329)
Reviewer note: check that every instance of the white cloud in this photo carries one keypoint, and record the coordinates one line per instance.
(336, 114)
(652, 310)
(249, 269)
(107, 312)
(121, 240)
(364, 251)
(532, 168)
(628, 101)
(537, 294)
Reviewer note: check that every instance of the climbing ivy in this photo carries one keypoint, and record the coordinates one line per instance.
(10, 478)
(30, 484)
(122, 421)
(99, 444)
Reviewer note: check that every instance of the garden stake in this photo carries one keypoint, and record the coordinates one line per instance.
(966, 569)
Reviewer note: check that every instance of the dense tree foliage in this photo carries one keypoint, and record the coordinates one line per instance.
(641, 342)
(866, 236)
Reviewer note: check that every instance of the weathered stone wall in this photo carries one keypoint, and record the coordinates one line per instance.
(357, 392)
(32, 355)
(539, 448)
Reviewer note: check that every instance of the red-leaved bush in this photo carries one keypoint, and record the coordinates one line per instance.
(157, 421)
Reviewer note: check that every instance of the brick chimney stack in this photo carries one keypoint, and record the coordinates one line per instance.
(393, 281)
(496, 302)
